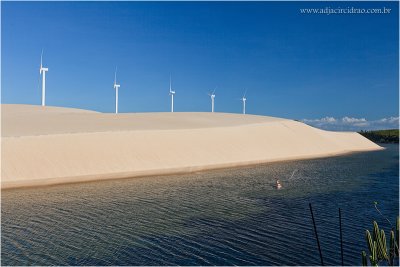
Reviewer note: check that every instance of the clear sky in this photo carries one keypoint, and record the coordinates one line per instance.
(298, 66)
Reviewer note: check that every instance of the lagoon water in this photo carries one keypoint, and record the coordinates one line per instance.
(221, 217)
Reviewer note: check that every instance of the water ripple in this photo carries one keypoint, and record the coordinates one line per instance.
(222, 217)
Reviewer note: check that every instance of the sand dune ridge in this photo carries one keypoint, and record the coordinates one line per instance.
(50, 145)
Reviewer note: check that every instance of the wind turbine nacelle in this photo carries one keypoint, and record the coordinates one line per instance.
(116, 86)
(43, 70)
(171, 92)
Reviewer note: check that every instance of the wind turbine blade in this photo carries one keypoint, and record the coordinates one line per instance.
(245, 92)
(38, 84)
(214, 90)
(170, 84)
(115, 75)
(41, 59)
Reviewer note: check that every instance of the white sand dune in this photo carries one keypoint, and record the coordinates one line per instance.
(51, 145)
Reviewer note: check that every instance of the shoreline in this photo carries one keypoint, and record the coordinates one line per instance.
(161, 172)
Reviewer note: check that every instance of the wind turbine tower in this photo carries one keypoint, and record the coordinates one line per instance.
(212, 95)
(244, 102)
(171, 93)
(116, 86)
(43, 73)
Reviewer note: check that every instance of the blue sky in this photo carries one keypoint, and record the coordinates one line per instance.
(299, 66)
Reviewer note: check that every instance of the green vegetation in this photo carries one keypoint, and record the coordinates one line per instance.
(382, 136)
(377, 246)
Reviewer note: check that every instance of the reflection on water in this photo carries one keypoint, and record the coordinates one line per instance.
(223, 217)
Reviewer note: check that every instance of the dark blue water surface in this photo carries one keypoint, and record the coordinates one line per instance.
(222, 217)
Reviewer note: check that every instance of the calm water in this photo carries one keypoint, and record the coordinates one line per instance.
(224, 217)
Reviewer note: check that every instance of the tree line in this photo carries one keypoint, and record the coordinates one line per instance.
(382, 136)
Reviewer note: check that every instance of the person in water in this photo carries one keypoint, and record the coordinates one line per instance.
(278, 183)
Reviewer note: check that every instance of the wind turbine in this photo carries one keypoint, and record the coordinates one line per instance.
(116, 86)
(171, 93)
(212, 95)
(42, 71)
(244, 102)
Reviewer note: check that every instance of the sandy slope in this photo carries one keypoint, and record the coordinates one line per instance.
(53, 145)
